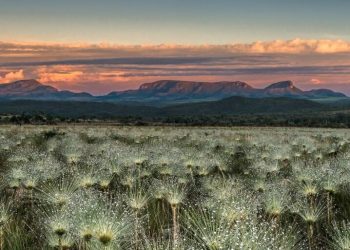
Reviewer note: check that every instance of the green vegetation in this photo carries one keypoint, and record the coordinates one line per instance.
(122, 187)
(233, 111)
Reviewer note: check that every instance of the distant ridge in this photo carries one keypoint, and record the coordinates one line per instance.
(32, 89)
(25, 88)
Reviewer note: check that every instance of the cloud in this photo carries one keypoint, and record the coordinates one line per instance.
(80, 77)
(59, 73)
(298, 46)
(315, 81)
(12, 76)
(33, 52)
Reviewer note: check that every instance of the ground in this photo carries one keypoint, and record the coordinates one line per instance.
(161, 187)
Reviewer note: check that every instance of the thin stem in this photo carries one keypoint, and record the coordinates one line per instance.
(310, 235)
(175, 226)
(32, 204)
(329, 207)
(60, 243)
(136, 230)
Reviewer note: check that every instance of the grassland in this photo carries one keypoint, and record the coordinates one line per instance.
(122, 187)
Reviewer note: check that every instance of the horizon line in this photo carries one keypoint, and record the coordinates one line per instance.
(289, 46)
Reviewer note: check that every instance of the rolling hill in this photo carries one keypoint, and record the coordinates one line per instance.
(237, 105)
(229, 106)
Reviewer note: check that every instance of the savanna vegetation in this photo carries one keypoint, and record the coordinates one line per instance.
(108, 187)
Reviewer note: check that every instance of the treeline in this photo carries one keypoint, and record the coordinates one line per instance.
(337, 120)
(32, 119)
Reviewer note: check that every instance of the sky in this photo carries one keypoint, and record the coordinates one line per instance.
(107, 45)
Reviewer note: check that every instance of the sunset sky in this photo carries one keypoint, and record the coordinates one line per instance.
(106, 45)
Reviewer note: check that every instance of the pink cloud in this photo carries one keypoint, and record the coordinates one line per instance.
(315, 81)
(12, 76)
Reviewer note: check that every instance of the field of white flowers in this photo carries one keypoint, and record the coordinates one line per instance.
(105, 187)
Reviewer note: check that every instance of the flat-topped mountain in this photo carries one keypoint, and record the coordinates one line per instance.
(281, 85)
(186, 87)
(285, 88)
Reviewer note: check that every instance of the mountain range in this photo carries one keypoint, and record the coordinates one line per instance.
(165, 91)
(171, 90)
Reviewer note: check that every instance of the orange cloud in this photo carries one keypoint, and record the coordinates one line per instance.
(80, 77)
(10, 52)
(12, 76)
(57, 74)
